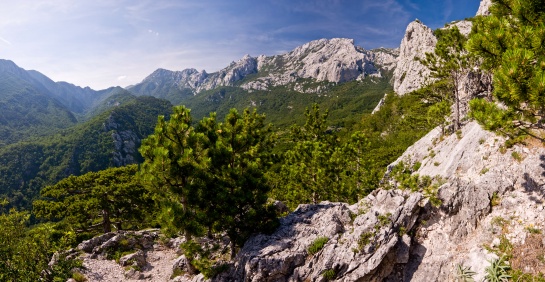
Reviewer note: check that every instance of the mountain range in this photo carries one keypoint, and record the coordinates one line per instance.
(49, 130)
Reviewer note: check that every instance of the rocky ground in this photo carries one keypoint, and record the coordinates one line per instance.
(159, 262)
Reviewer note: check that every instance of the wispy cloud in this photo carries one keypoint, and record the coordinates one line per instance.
(5, 41)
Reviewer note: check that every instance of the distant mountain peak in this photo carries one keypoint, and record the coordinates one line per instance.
(332, 60)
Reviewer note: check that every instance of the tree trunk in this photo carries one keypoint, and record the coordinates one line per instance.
(106, 223)
(233, 248)
(457, 112)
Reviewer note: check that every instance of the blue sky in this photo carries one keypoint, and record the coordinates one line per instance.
(102, 43)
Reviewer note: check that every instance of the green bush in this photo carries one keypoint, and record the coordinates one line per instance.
(317, 245)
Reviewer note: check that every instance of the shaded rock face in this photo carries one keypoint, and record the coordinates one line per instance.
(126, 143)
(410, 74)
(364, 242)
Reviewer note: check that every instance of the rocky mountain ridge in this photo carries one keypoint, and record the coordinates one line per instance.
(334, 60)
(489, 196)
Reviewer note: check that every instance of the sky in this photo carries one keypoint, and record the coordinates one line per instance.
(103, 43)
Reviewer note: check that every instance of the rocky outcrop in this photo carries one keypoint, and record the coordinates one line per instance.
(330, 61)
(484, 183)
(126, 143)
(484, 8)
(410, 74)
(335, 60)
(230, 75)
(364, 241)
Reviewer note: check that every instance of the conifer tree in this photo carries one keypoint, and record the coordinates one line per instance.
(511, 44)
(96, 200)
(239, 157)
(319, 167)
(450, 62)
(174, 160)
(211, 176)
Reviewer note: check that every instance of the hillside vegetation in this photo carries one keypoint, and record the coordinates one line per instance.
(109, 139)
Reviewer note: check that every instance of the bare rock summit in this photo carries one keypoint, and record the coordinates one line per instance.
(410, 74)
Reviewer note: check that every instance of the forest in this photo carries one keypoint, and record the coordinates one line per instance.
(221, 172)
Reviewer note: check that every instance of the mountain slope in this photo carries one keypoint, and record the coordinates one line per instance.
(25, 110)
(283, 106)
(33, 105)
(110, 139)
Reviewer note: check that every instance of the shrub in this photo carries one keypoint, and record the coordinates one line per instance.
(516, 156)
(364, 240)
(317, 245)
(329, 274)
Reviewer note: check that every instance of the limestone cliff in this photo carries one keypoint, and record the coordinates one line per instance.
(410, 74)
(334, 60)
(484, 8)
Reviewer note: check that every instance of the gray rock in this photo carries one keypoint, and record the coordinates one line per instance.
(137, 259)
(182, 263)
(329, 61)
(283, 256)
(88, 245)
(280, 207)
(410, 74)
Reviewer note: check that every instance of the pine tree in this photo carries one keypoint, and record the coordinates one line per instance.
(239, 157)
(319, 166)
(211, 176)
(450, 62)
(96, 200)
(174, 159)
(511, 44)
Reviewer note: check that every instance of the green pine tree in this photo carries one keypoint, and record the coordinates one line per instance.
(174, 159)
(240, 156)
(511, 45)
(96, 200)
(449, 62)
(320, 166)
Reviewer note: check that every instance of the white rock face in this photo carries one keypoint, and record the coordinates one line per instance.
(410, 74)
(326, 60)
(484, 8)
(231, 74)
(463, 26)
(474, 169)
